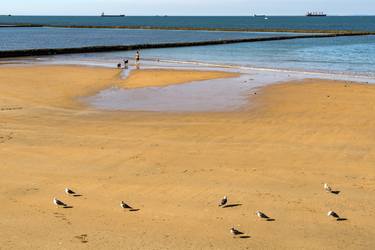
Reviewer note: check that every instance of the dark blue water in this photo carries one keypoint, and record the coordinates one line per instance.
(39, 38)
(357, 23)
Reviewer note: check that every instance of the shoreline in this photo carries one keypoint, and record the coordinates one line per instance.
(176, 167)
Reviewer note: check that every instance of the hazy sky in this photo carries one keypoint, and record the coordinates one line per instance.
(186, 7)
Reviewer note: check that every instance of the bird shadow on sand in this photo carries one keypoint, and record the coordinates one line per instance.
(232, 205)
(270, 219)
(245, 237)
(341, 219)
(67, 207)
(241, 235)
(77, 195)
(134, 210)
(336, 192)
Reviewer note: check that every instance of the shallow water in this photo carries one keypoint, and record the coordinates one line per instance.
(213, 95)
(219, 95)
(354, 56)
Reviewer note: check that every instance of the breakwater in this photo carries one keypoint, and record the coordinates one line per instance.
(93, 49)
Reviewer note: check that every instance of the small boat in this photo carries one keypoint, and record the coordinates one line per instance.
(104, 15)
(259, 15)
(316, 14)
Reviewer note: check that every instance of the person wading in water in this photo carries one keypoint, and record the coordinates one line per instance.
(137, 58)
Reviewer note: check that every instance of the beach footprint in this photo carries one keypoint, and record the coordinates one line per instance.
(82, 238)
(5, 138)
(62, 217)
(10, 108)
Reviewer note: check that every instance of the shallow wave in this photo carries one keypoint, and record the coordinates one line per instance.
(279, 70)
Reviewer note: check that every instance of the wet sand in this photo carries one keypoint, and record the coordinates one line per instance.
(164, 77)
(175, 168)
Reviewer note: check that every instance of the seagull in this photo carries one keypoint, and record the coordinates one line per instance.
(59, 203)
(327, 188)
(333, 214)
(223, 202)
(262, 215)
(235, 232)
(69, 191)
(125, 206)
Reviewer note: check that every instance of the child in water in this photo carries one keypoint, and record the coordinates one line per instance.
(137, 58)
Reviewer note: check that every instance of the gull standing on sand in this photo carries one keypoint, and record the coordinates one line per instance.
(69, 191)
(59, 203)
(125, 206)
(334, 215)
(262, 215)
(223, 202)
(327, 188)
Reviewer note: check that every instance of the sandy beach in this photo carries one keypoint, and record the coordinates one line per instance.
(175, 167)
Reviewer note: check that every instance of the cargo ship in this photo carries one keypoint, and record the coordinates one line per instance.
(104, 15)
(315, 14)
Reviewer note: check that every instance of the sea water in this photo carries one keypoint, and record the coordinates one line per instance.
(353, 56)
(358, 23)
(20, 38)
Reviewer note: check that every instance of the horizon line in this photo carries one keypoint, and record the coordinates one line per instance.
(163, 15)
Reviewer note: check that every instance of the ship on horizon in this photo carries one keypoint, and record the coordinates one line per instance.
(104, 15)
(316, 14)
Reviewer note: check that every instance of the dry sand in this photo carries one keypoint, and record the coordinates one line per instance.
(176, 167)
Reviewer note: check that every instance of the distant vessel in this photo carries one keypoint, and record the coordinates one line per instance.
(104, 15)
(259, 15)
(315, 14)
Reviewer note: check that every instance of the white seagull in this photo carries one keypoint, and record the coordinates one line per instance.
(223, 202)
(59, 203)
(69, 191)
(235, 232)
(262, 215)
(333, 214)
(125, 206)
(327, 188)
